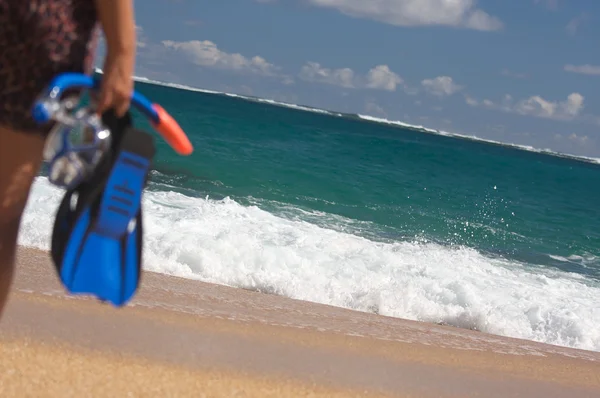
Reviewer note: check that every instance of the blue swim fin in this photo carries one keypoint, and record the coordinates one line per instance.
(97, 242)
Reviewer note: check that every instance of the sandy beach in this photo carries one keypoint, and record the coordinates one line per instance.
(184, 338)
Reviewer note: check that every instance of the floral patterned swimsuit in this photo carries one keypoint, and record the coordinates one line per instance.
(38, 40)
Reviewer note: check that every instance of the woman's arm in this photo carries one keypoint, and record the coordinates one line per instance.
(118, 23)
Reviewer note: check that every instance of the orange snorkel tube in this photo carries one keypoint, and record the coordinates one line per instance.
(171, 132)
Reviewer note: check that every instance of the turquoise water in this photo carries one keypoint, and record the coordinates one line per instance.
(389, 183)
(371, 216)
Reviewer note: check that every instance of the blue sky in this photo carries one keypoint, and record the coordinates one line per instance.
(521, 71)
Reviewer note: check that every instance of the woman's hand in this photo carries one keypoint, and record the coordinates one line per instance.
(117, 83)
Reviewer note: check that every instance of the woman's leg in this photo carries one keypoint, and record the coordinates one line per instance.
(39, 40)
(20, 159)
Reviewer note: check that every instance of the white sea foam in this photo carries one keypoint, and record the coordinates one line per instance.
(226, 243)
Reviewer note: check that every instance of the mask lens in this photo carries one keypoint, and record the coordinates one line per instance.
(66, 171)
(75, 146)
(81, 136)
(54, 142)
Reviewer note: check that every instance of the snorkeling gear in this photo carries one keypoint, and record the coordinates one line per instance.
(75, 144)
(103, 163)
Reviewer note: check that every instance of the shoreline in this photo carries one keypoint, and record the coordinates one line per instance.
(200, 327)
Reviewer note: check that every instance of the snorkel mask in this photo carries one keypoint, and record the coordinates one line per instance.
(75, 144)
(79, 139)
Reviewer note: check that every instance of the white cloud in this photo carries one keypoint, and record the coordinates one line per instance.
(314, 72)
(574, 139)
(206, 53)
(456, 13)
(516, 75)
(441, 86)
(287, 80)
(372, 107)
(579, 139)
(140, 36)
(536, 106)
(471, 101)
(551, 4)
(575, 23)
(380, 77)
(583, 69)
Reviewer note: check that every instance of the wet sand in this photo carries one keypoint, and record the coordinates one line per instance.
(181, 338)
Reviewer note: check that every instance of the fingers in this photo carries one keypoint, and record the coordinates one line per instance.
(104, 100)
(114, 96)
(121, 100)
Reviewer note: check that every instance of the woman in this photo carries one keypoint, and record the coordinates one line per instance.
(40, 39)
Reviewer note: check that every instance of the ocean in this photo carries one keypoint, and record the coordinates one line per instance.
(371, 215)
